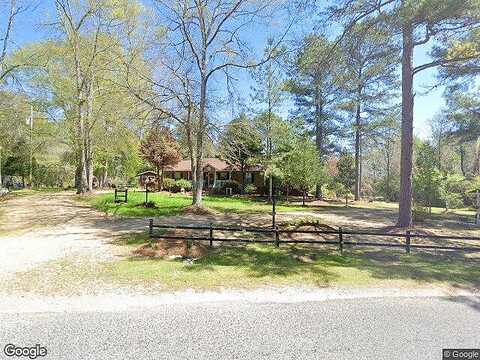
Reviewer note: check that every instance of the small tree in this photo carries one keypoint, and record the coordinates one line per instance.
(345, 176)
(427, 178)
(452, 190)
(241, 144)
(161, 150)
(301, 167)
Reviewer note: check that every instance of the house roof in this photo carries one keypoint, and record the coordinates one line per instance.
(217, 164)
(147, 173)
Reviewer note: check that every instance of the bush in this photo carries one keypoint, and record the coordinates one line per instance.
(250, 189)
(420, 213)
(168, 184)
(234, 185)
(182, 184)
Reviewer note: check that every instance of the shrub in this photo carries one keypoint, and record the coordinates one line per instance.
(420, 213)
(182, 184)
(168, 184)
(250, 189)
(234, 185)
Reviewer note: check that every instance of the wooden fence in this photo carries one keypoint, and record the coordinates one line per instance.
(342, 237)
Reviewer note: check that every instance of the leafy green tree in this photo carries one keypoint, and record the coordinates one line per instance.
(453, 190)
(161, 150)
(415, 23)
(268, 94)
(370, 59)
(316, 86)
(345, 175)
(427, 178)
(301, 168)
(241, 145)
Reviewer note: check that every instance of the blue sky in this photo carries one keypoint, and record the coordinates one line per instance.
(35, 27)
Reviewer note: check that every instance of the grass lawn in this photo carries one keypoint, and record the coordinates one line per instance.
(173, 204)
(254, 266)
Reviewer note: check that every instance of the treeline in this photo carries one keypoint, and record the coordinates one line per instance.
(331, 110)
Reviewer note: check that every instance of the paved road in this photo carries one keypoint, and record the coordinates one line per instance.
(407, 328)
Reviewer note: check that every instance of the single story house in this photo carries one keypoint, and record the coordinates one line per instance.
(215, 173)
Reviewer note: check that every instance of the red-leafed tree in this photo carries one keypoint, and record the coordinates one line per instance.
(161, 150)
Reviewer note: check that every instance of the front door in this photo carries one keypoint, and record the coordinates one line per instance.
(208, 179)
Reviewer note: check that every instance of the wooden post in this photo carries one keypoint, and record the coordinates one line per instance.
(126, 195)
(277, 237)
(115, 194)
(146, 195)
(211, 235)
(407, 242)
(150, 228)
(340, 239)
(273, 211)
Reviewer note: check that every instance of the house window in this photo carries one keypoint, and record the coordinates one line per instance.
(249, 177)
(177, 175)
(223, 175)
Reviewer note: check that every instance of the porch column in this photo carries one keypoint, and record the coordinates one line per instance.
(214, 177)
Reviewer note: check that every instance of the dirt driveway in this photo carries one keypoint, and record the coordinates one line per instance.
(40, 227)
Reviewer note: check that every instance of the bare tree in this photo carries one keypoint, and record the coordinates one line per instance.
(206, 41)
(13, 9)
(88, 28)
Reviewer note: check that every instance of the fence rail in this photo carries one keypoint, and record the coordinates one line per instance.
(121, 195)
(340, 240)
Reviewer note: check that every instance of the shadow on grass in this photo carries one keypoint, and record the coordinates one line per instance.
(263, 261)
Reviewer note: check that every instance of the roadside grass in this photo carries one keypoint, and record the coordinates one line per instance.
(173, 204)
(250, 266)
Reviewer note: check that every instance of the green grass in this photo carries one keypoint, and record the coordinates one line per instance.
(264, 265)
(254, 266)
(173, 204)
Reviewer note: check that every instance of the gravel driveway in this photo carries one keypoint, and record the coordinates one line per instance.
(47, 226)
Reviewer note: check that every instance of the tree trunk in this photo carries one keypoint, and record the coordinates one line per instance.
(405, 203)
(161, 179)
(242, 169)
(462, 160)
(197, 199)
(303, 198)
(270, 150)
(477, 215)
(387, 185)
(319, 133)
(357, 155)
(270, 188)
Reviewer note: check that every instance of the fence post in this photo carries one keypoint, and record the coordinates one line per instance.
(277, 237)
(407, 242)
(126, 195)
(115, 194)
(211, 235)
(340, 239)
(273, 211)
